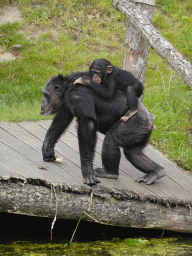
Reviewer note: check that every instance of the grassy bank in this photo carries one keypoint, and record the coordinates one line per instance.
(64, 36)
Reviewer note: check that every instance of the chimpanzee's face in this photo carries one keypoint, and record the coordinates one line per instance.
(100, 69)
(53, 99)
(97, 76)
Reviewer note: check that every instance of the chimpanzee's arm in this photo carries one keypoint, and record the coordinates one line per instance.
(105, 90)
(60, 122)
(87, 129)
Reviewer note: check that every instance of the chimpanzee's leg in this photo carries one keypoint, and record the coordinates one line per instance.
(87, 128)
(110, 158)
(138, 159)
(60, 122)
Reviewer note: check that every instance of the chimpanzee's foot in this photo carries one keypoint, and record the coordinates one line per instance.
(124, 118)
(151, 177)
(154, 127)
(130, 114)
(102, 173)
(90, 180)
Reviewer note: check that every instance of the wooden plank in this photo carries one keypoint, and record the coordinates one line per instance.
(165, 188)
(63, 150)
(35, 140)
(127, 182)
(14, 167)
(172, 170)
(6, 173)
(21, 157)
(53, 169)
(32, 134)
(69, 155)
(169, 188)
(170, 184)
(69, 137)
(19, 164)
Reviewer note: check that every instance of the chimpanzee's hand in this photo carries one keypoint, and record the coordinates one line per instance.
(82, 80)
(79, 81)
(48, 153)
(91, 180)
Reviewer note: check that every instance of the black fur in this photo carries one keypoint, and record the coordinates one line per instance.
(97, 114)
(117, 79)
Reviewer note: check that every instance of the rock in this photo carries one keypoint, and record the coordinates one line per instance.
(7, 56)
(17, 46)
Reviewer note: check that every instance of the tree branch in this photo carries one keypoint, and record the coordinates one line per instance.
(163, 47)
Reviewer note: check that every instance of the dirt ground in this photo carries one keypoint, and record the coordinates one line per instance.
(8, 14)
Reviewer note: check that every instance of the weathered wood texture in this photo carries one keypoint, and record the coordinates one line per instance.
(136, 49)
(30, 186)
(163, 47)
(41, 201)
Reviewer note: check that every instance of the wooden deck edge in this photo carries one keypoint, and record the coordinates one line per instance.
(99, 191)
(45, 201)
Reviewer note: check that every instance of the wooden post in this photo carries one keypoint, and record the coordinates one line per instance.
(136, 48)
(163, 47)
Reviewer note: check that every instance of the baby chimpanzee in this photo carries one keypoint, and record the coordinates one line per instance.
(104, 78)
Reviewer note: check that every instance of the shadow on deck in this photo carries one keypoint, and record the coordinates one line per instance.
(30, 186)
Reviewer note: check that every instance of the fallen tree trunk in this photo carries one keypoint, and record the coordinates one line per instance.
(128, 211)
(163, 47)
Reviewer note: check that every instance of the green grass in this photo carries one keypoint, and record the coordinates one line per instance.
(170, 100)
(173, 18)
(115, 247)
(166, 95)
(62, 36)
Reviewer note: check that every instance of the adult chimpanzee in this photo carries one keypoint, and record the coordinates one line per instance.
(106, 78)
(94, 114)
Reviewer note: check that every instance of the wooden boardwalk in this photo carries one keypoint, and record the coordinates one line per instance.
(26, 182)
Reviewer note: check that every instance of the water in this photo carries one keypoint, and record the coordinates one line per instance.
(30, 236)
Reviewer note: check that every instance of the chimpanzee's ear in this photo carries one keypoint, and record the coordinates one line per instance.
(60, 75)
(109, 69)
(58, 89)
